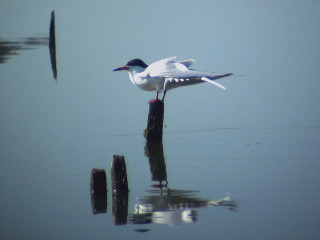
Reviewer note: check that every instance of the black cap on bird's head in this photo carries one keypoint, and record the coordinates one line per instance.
(137, 62)
(132, 63)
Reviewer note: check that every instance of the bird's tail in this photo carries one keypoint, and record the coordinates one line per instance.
(210, 79)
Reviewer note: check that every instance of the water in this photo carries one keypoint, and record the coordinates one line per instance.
(255, 145)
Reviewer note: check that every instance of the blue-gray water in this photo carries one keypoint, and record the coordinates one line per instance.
(258, 142)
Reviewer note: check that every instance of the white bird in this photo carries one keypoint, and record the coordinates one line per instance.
(167, 74)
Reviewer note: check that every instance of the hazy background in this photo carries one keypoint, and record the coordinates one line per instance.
(259, 139)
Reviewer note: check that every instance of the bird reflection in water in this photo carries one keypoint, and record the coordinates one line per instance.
(166, 205)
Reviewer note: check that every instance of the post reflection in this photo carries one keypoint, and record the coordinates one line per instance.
(120, 208)
(10, 48)
(52, 45)
(154, 152)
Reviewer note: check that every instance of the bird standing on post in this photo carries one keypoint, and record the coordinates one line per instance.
(167, 74)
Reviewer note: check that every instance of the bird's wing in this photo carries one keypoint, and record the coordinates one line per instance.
(178, 78)
(187, 63)
(194, 74)
(165, 61)
(159, 68)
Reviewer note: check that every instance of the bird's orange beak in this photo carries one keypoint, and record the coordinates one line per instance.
(121, 68)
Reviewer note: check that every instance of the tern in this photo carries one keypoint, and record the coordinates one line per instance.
(168, 74)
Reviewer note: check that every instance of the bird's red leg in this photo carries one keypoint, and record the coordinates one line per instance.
(164, 94)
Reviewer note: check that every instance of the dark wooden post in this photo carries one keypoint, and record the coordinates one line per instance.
(153, 132)
(119, 174)
(119, 190)
(52, 45)
(98, 185)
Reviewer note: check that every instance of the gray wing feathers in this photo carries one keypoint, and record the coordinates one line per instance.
(178, 79)
(187, 63)
(195, 74)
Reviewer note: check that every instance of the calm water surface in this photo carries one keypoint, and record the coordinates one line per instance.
(239, 164)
